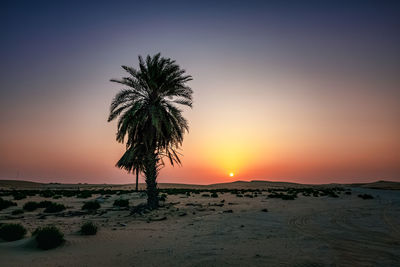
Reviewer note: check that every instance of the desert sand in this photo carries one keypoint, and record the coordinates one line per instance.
(228, 230)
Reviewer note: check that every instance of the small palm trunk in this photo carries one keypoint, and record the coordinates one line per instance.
(137, 180)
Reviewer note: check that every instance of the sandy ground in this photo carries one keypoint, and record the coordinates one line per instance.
(308, 231)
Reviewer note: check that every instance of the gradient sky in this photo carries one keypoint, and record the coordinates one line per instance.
(285, 91)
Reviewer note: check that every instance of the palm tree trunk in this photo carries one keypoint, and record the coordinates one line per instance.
(137, 179)
(150, 170)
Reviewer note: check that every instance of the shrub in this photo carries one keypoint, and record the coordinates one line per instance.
(54, 207)
(88, 228)
(214, 195)
(365, 196)
(6, 203)
(91, 205)
(17, 212)
(121, 203)
(44, 204)
(12, 231)
(288, 197)
(163, 197)
(48, 237)
(84, 194)
(333, 194)
(19, 195)
(47, 193)
(31, 206)
(205, 195)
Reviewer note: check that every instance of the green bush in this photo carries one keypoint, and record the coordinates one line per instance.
(54, 207)
(44, 204)
(84, 194)
(17, 212)
(163, 197)
(88, 228)
(91, 205)
(214, 195)
(48, 237)
(19, 195)
(30, 206)
(6, 203)
(12, 231)
(47, 193)
(121, 203)
(365, 196)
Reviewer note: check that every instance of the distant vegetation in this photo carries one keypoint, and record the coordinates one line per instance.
(282, 193)
(365, 196)
(17, 212)
(121, 203)
(91, 205)
(6, 204)
(30, 206)
(54, 207)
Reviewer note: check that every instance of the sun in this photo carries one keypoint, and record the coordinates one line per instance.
(231, 174)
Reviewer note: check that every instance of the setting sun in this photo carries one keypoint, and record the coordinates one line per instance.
(231, 174)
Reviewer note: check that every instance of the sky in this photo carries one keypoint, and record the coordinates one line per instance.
(298, 91)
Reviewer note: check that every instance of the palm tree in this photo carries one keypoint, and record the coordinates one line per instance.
(149, 118)
(132, 161)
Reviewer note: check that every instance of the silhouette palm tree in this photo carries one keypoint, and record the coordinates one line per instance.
(149, 118)
(132, 161)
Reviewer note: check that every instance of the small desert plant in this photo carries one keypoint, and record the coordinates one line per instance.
(44, 204)
(205, 195)
(288, 197)
(365, 196)
(19, 195)
(214, 195)
(163, 197)
(47, 193)
(91, 205)
(30, 206)
(17, 212)
(6, 203)
(84, 194)
(121, 203)
(12, 231)
(48, 237)
(88, 228)
(54, 207)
